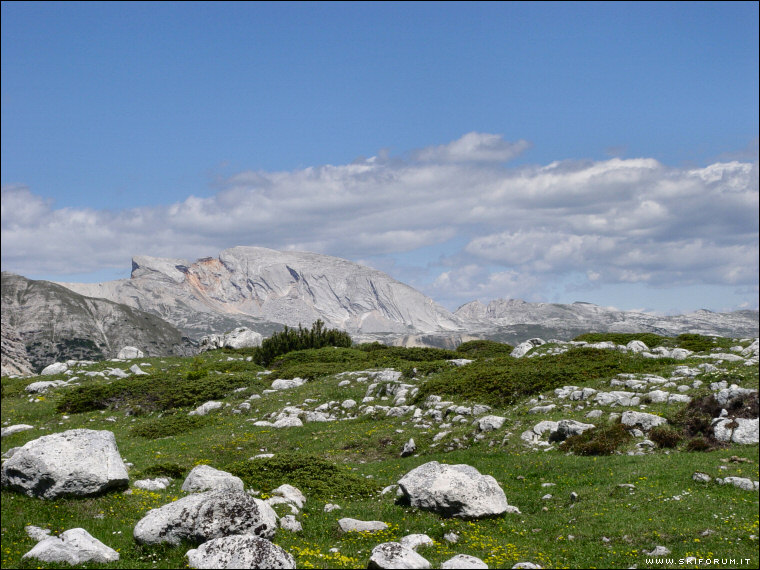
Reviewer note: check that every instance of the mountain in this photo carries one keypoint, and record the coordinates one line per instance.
(265, 289)
(515, 320)
(53, 323)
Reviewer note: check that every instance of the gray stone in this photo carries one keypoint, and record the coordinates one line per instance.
(700, 477)
(239, 551)
(204, 409)
(490, 423)
(157, 484)
(409, 448)
(74, 546)
(287, 384)
(289, 522)
(10, 430)
(415, 541)
(130, 352)
(464, 561)
(78, 462)
(641, 419)
(204, 516)
(453, 490)
(206, 478)
(394, 555)
(55, 368)
(740, 482)
(738, 430)
(355, 525)
(291, 495)
(43, 386)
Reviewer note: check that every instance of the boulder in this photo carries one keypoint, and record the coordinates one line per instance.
(355, 525)
(737, 430)
(205, 408)
(55, 368)
(241, 337)
(79, 462)
(394, 555)
(130, 352)
(410, 448)
(43, 386)
(464, 561)
(452, 490)
(287, 384)
(291, 495)
(74, 546)
(10, 430)
(566, 428)
(641, 420)
(204, 516)
(157, 484)
(239, 551)
(415, 541)
(524, 347)
(206, 478)
(490, 423)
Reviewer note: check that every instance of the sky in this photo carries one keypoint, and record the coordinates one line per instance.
(550, 152)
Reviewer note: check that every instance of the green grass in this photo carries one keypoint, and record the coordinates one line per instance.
(347, 461)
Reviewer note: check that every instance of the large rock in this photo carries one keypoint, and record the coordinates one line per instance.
(355, 525)
(79, 462)
(241, 337)
(206, 478)
(239, 551)
(394, 555)
(453, 490)
(642, 420)
(738, 430)
(75, 546)
(129, 353)
(205, 516)
(464, 561)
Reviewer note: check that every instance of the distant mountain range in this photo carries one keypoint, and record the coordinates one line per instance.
(165, 300)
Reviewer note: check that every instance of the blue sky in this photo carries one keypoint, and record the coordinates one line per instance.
(604, 152)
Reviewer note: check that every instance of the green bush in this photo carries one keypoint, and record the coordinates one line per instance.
(483, 349)
(291, 339)
(172, 470)
(665, 436)
(501, 381)
(311, 474)
(603, 440)
(169, 425)
(146, 394)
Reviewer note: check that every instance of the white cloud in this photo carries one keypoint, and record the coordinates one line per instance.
(516, 229)
(474, 147)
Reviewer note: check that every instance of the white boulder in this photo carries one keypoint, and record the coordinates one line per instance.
(74, 546)
(206, 478)
(641, 420)
(204, 516)
(55, 368)
(452, 490)
(79, 462)
(239, 551)
(394, 555)
(464, 561)
(737, 430)
(130, 352)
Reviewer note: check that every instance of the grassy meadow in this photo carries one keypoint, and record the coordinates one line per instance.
(627, 503)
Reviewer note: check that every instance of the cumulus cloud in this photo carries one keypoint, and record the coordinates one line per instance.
(515, 228)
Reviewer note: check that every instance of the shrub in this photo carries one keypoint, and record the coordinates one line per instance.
(603, 440)
(665, 436)
(313, 475)
(146, 394)
(172, 470)
(169, 425)
(483, 349)
(290, 339)
(501, 381)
